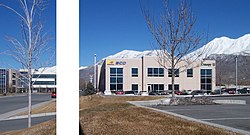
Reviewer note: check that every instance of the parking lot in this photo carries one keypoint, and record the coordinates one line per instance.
(235, 116)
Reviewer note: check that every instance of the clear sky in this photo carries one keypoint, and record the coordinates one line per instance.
(110, 26)
(10, 26)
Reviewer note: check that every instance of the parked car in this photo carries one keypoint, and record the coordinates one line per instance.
(163, 93)
(129, 93)
(188, 92)
(119, 92)
(242, 91)
(53, 94)
(230, 90)
(152, 93)
(216, 92)
(198, 92)
(178, 92)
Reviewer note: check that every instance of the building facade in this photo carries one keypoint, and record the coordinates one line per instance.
(3, 80)
(44, 80)
(146, 74)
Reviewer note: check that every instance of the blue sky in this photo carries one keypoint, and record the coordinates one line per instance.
(110, 26)
(10, 26)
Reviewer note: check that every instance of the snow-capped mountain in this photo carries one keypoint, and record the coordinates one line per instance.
(133, 54)
(226, 46)
(222, 45)
(82, 67)
(46, 70)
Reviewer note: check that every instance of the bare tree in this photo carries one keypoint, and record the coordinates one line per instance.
(28, 49)
(175, 36)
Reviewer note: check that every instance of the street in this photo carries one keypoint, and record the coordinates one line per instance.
(8, 125)
(11, 105)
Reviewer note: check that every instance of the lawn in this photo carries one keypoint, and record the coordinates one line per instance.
(113, 115)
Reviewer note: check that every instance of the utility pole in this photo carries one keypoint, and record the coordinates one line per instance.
(95, 72)
(236, 75)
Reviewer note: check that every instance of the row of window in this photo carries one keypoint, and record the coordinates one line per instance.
(44, 76)
(116, 78)
(151, 87)
(159, 72)
(44, 82)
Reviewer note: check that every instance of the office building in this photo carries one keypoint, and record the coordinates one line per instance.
(146, 74)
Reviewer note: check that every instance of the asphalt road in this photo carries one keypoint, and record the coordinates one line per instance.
(236, 116)
(8, 125)
(10, 103)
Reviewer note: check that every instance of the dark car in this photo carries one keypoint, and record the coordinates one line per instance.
(152, 93)
(53, 94)
(218, 91)
(129, 93)
(198, 92)
(242, 91)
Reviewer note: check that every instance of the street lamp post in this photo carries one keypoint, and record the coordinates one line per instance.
(95, 72)
(236, 75)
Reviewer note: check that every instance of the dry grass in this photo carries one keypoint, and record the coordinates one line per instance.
(49, 107)
(45, 128)
(112, 115)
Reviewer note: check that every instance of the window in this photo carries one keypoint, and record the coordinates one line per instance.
(116, 79)
(43, 82)
(13, 82)
(134, 72)
(190, 72)
(176, 72)
(150, 72)
(176, 87)
(135, 88)
(156, 88)
(206, 79)
(13, 75)
(155, 72)
(44, 76)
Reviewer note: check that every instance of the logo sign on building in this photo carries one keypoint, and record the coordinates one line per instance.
(112, 62)
(120, 63)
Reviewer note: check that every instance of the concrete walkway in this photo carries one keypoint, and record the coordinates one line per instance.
(32, 116)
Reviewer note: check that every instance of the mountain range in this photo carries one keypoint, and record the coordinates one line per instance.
(224, 50)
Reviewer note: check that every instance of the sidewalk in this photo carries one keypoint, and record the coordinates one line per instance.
(32, 116)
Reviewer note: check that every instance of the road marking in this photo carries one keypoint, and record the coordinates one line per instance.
(244, 118)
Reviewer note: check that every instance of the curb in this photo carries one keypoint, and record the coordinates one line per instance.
(240, 102)
(32, 116)
(193, 119)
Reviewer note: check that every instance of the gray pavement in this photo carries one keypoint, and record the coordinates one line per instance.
(10, 103)
(17, 124)
(234, 117)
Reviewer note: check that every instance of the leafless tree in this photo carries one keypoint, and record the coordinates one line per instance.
(32, 44)
(175, 36)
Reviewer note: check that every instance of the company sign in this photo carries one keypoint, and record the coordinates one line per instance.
(113, 62)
